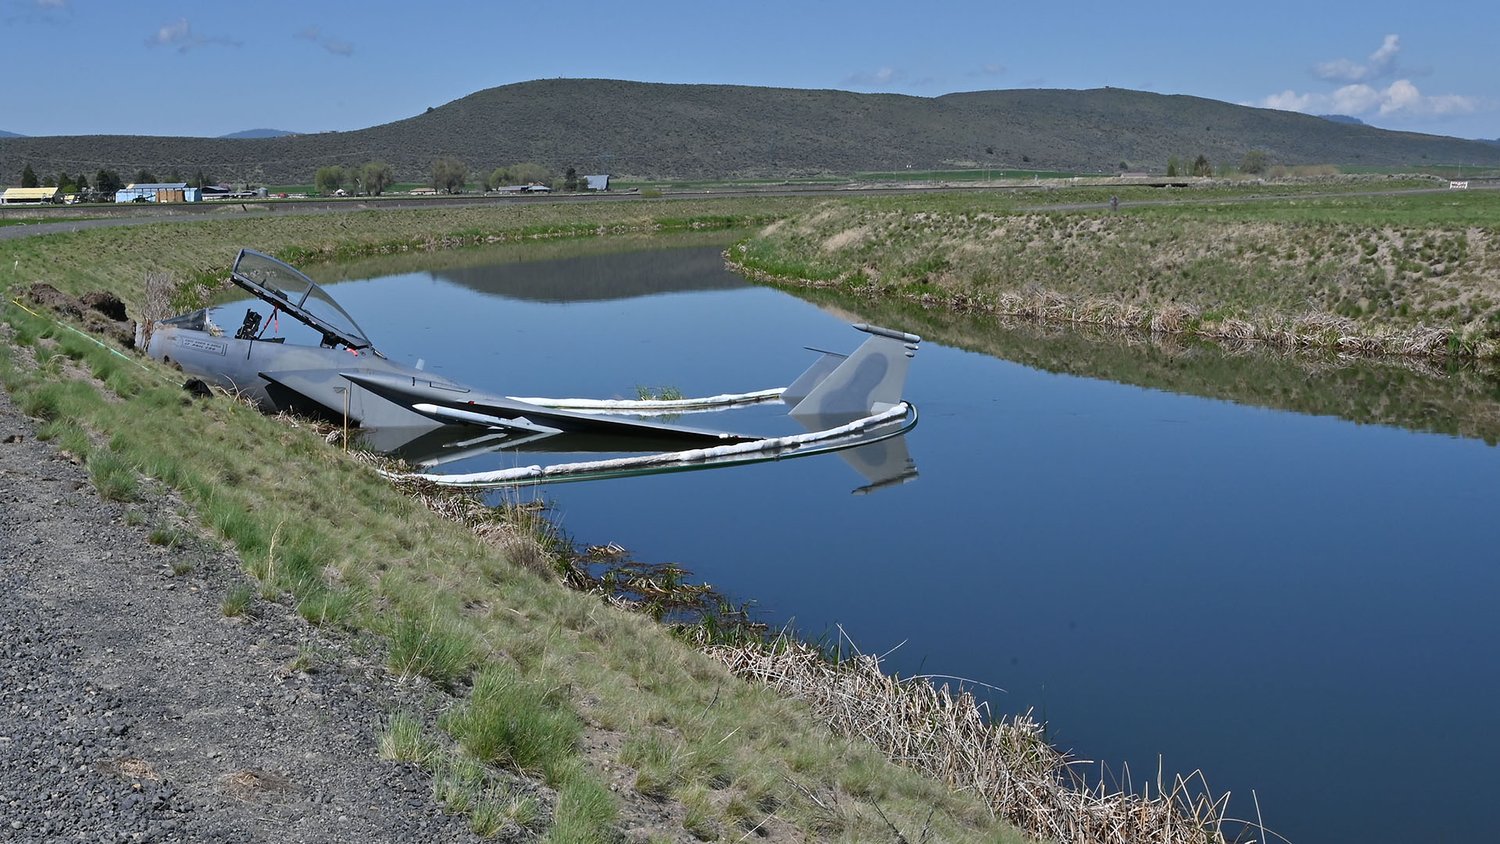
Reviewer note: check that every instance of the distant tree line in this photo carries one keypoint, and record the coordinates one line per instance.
(1255, 163)
(372, 177)
(449, 175)
(105, 181)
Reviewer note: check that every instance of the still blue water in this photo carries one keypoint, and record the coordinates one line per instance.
(1298, 605)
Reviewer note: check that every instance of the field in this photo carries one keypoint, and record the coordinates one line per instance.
(1357, 267)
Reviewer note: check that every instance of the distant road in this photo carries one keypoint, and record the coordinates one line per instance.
(135, 215)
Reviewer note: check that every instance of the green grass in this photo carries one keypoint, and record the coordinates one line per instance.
(585, 813)
(16, 221)
(517, 723)
(965, 175)
(430, 644)
(1295, 267)
(404, 741)
(237, 601)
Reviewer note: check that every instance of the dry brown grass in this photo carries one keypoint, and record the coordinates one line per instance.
(1006, 762)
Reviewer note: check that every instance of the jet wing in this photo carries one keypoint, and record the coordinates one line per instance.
(444, 404)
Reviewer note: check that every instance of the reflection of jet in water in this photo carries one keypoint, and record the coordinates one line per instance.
(843, 401)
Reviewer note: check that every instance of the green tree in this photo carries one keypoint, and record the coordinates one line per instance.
(1174, 168)
(199, 180)
(570, 180)
(449, 174)
(108, 181)
(1255, 161)
(49, 181)
(145, 177)
(28, 178)
(330, 178)
(375, 177)
(527, 173)
(1201, 167)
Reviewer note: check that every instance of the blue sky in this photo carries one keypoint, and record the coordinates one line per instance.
(205, 67)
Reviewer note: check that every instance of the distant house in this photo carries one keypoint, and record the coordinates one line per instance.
(226, 192)
(596, 182)
(532, 188)
(159, 192)
(28, 196)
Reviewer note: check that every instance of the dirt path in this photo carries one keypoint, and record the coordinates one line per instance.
(132, 709)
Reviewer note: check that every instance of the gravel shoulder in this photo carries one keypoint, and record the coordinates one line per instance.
(132, 709)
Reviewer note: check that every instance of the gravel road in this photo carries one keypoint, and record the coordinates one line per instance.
(132, 709)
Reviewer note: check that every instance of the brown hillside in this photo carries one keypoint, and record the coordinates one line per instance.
(718, 131)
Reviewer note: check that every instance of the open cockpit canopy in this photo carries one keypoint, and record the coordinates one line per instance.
(297, 296)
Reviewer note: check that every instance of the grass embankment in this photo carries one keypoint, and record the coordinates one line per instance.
(1446, 396)
(551, 683)
(1415, 274)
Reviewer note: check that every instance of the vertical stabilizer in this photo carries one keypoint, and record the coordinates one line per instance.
(866, 382)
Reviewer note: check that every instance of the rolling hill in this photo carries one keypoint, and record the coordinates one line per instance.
(5, 134)
(651, 130)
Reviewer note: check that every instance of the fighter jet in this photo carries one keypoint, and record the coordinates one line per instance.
(345, 378)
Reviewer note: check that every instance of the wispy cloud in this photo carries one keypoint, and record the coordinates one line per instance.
(1378, 65)
(336, 46)
(989, 70)
(1400, 98)
(27, 12)
(180, 34)
(883, 77)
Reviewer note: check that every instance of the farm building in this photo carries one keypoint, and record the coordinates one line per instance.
(163, 192)
(28, 196)
(596, 182)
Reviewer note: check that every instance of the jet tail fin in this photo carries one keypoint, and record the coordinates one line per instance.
(847, 387)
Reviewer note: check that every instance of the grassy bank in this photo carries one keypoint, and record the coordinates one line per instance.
(1413, 274)
(542, 681)
(200, 251)
(1446, 396)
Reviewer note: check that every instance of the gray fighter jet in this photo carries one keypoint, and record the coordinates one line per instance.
(345, 378)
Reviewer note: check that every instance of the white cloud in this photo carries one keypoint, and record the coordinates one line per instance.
(1399, 99)
(1380, 63)
(172, 33)
(180, 34)
(52, 4)
(991, 69)
(1364, 97)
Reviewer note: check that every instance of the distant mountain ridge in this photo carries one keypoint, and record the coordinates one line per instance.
(258, 133)
(653, 130)
(1343, 118)
(5, 134)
